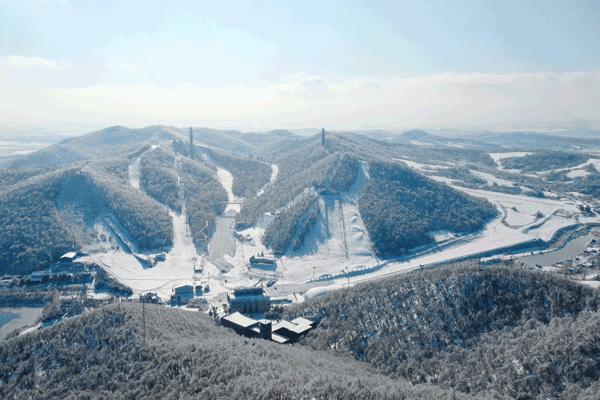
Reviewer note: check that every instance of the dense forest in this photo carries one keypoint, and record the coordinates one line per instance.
(32, 234)
(544, 160)
(249, 175)
(291, 225)
(492, 330)
(303, 169)
(106, 354)
(401, 209)
(204, 198)
(158, 177)
(35, 215)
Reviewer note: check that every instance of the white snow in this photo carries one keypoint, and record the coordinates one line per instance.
(226, 180)
(550, 226)
(134, 173)
(273, 178)
(591, 161)
(274, 173)
(495, 236)
(498, 157)
(491, 179)
(442, 236)
(442, 179)
(577, 173)
(177, 269)
(509, 154)
(516, 219)
(420, 166)
(324, 250)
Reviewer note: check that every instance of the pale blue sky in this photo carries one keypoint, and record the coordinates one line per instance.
(293, 63)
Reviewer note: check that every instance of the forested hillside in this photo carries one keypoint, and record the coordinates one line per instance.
(32, 235)
(544, 160)
(292, 181)
(102, 355)
(158, 177)
(293, 223)
(488, 330)
(38, 215)
(249, 175)
(204, 198)
(401, 209)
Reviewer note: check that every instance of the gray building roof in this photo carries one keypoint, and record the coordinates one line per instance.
(240, 319)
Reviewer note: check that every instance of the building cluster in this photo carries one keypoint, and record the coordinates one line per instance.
(249, 301)
(183, 294)
(278, 331)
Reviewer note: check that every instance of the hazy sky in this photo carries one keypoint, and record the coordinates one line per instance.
(79, 65)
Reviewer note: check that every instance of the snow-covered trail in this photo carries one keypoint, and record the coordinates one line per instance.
(274, 173)
(222, 244)
(134, 173)
(177, 269)
(225, 178)
(272, 179)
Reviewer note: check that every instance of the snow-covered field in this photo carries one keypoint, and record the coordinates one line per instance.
(496, 236)
(509, 154)
(577, 173)
(339, 240)
(420, 166)
(516, 218)
(498, 157)
(491, 179)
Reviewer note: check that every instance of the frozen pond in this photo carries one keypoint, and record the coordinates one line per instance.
(572, 249)
(12, 318)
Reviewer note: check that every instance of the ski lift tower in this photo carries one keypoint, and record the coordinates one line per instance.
(191, 143)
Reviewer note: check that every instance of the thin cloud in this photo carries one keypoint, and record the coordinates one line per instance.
(451, 100)
(20, 61)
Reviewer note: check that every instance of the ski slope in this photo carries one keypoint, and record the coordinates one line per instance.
(177, 269)
(225, 178)
(338, 240)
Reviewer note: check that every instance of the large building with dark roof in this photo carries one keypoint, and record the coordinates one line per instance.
(280, 331)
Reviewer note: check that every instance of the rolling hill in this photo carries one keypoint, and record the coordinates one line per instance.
(107, 354)
(486, 331)
(276, 172)
(400, 207)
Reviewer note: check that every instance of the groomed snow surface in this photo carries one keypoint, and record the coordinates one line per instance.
(226, 180)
